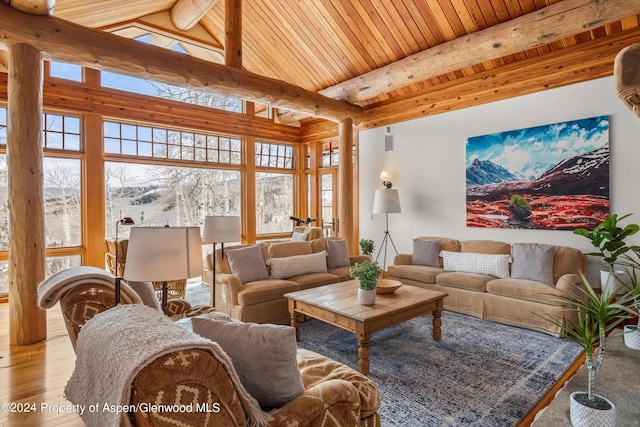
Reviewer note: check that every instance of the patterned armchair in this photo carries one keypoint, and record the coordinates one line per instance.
(182, 370)
(86, 291)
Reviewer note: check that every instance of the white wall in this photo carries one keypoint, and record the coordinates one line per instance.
(427, 166)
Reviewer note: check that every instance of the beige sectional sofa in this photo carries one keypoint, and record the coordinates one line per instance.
(479, 283)
(252, 279)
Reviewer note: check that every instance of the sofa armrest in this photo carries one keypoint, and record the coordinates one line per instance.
(336, 400)
(231, 285)
(359, 259)
(402, 259)
(568, 282)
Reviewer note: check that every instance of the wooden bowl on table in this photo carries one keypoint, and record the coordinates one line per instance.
(387, 286)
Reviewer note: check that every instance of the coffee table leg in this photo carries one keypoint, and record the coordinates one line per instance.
(363, 354)
(437, 323)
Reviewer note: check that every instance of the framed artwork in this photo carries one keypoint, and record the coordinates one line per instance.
(552, 177)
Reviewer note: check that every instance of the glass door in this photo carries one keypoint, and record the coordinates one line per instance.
(329, 203)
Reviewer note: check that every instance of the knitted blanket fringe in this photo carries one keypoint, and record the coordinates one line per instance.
(53, 288)
(114, 346)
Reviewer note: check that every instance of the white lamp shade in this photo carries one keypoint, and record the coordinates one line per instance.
(384, 175)
(158, 254)
(386, 201)
(222, 229)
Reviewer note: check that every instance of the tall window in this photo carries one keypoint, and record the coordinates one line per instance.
(274, 187)
(62, 190)
(274, 202)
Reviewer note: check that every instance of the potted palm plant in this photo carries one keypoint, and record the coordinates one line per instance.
(609, 238)
(596, 315)
(367, 273)
(631, 261)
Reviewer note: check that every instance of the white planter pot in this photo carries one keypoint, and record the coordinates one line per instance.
(632, 337)
(608, 282)
(366, 297)
(585, 416)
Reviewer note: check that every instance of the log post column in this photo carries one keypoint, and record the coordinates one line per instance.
(27, 260)
(345, 185)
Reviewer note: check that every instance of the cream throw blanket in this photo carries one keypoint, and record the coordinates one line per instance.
(114, 346)
(53, 288)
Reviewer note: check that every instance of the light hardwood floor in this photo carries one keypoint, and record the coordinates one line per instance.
(37, 374)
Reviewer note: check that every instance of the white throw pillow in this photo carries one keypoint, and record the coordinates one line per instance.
(299, 237)
(470, 262)
(264, 356)
(283, 268)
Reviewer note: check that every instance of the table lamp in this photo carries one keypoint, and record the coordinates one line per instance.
(162, 254)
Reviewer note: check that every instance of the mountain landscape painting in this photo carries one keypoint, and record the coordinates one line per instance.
(552, 177)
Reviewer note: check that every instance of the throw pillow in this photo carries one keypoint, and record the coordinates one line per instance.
(283, 268)
(247, 263)
(263, 355)
(533, 262)
(299, 237)
(470, 262)
(425, 252)
(338, 254)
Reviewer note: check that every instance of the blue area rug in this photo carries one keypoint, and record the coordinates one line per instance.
(479, 374)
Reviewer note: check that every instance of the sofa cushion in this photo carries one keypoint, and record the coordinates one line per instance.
(485, 247)
(419, 273)
(285, 249)
(533, 262)
(317, 369)
(425, 252)
(343, 272)
(528, 290)
(470, 262)
(283, 268)
(264, 356)
(470, 281)
(247, 263)
(265, 290)
(313, 280)
(338, 253)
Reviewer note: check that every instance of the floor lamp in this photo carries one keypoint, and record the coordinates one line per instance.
(162, 254)
(124, 221)
(386, 201)
(220, 229)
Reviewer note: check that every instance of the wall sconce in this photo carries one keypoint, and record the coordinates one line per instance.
(384, 176)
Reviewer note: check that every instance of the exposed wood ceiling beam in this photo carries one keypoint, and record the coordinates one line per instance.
(185, 14)
(233, 33)
(64, 41)
(553, 23)
(35, 7)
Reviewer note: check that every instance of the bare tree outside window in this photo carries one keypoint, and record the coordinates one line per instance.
(168, 195)
(274, 202)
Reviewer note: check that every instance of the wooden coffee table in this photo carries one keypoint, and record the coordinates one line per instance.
(338, 305)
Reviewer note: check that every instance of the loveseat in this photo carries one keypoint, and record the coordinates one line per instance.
(495, 281)
(252, 279)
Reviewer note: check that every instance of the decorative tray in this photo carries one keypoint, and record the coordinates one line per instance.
(387, 286)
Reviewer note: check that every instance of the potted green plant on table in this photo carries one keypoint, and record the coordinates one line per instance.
(596, 315)
(367, 273)
(631, 262)
(609, 238)
(366, 246)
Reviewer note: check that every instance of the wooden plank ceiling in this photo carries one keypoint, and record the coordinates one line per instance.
(316, 44)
